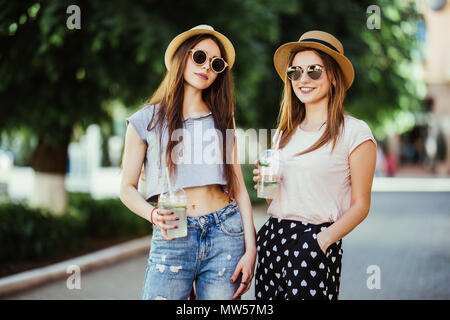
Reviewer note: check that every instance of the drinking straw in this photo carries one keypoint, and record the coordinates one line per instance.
(168, 182)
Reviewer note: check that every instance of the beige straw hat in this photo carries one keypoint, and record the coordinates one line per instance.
(319, 40)
(200, 29)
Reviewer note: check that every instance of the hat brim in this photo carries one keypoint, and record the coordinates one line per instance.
(281, 59)
(178, 40)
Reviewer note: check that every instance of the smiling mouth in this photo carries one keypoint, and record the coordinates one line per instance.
(202, 76)
(306, 90)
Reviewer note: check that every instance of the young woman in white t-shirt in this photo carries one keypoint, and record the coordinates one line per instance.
(328, 163)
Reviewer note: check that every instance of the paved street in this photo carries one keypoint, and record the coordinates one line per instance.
(406, 237)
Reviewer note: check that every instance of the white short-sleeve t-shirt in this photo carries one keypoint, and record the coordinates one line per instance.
(316, 186)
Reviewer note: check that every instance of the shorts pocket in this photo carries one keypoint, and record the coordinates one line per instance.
(231, 225)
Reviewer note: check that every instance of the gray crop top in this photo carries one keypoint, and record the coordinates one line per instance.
(201, 166)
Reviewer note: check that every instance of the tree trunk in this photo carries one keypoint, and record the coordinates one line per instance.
(50, 166)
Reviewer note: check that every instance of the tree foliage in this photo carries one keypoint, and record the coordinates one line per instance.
(53, 78)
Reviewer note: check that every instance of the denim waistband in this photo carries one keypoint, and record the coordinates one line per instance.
(214, 217)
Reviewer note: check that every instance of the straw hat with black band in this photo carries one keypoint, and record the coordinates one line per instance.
(319, 40)
(200, 29)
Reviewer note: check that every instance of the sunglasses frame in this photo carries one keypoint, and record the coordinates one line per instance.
(211, 60)
(308, 71)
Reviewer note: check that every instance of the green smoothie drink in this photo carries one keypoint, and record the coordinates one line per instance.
(176, 202)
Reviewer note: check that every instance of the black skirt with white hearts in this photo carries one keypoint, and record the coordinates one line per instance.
(291, 265)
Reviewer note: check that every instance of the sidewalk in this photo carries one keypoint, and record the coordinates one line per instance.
(29, 279)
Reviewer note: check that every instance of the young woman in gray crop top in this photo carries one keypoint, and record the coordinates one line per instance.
(185, 129)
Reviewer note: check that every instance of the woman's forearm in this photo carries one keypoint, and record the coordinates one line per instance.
(245, 206)
(339, 229)
(134, 201)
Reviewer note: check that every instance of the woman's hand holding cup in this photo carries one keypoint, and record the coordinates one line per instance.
(160, 216)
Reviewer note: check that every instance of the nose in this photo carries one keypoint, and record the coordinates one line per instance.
(304, 78)
(206, 65)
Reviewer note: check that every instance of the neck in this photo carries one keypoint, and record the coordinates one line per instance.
(193, 103)
(316, 112)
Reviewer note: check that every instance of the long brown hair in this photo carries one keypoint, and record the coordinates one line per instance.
(218, 97)
(293, 112)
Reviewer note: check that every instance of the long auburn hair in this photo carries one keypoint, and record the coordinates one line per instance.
(293, 112)
(218, 97)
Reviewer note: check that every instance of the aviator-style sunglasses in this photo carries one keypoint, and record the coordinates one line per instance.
(199, 57)
(313, 71)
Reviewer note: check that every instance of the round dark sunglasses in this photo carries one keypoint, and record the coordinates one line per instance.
(199, 57)
(313, 71)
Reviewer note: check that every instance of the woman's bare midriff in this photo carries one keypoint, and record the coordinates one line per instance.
(205, 199)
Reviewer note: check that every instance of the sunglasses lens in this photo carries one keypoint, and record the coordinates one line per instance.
(294, 73)
(199, 57)
(218, 65)
(314, 72)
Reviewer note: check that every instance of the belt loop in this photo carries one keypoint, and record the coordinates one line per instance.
(216, 217)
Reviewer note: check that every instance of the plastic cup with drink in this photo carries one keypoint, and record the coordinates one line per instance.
(175, 200)
(269, 170)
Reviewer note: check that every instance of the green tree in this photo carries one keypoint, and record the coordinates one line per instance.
(53, 79)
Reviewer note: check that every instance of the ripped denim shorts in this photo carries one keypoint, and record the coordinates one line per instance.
(208, 255)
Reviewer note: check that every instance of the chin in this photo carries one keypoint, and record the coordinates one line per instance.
(199, 85)
(309, 99)
(305, 99)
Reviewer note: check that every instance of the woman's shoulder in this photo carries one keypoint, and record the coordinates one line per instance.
(353, 123)
(356, 131)
(149, 109)
(144, 114)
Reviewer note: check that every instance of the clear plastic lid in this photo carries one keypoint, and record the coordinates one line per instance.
(270, 158)
(177, 197)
